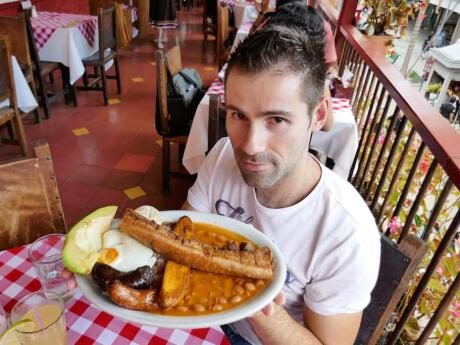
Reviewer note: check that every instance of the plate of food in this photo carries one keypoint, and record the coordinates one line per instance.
(176, 269)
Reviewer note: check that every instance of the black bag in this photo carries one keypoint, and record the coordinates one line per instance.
(184, 94)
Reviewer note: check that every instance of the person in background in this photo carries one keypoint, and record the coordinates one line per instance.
(163, 17)
(447, 109)
(273, 90)
(330, 54)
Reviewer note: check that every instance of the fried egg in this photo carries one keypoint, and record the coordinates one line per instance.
(123, 252)
(149, 212)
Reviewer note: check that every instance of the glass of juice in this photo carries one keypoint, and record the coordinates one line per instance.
(46, 256)
(46, 310)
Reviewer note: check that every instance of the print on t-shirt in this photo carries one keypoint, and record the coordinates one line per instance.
(224, 208)
(289, 278)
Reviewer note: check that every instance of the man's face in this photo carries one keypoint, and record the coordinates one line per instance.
(268, 124)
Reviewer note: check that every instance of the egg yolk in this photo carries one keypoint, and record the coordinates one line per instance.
(108, 255)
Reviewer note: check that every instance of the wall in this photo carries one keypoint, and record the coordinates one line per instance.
(73, 6)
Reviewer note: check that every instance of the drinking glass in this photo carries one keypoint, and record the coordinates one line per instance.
(46, 309)
(46, 256)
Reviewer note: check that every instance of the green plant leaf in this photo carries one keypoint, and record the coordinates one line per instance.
(418, 221)
(446, 339)
(449, 263)
(436, 285)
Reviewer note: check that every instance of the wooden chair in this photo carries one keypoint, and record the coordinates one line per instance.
(398, 264)
(9, 116)
(223, 31)
(107, 52)
(209, 21)
(162, 116)
(44, 68)
(123, 20)
(216, 121)
(16, 29)
(30, 205)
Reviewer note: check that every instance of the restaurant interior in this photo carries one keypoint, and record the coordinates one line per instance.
(85, 122)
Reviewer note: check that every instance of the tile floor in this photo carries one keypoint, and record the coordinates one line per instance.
(111, 155)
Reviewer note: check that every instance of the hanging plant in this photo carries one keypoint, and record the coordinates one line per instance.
(390, 17)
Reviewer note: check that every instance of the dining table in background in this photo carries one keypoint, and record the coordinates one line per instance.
(87, 324)
(244, 11)
(25, 99)
(339, 144)
(66, 38)
(241, 33)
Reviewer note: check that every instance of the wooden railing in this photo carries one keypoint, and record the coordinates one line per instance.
(407, 168)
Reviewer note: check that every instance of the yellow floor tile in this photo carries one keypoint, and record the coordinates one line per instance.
(135, 192)
(137, 79)
(113, 101)
(80, 131)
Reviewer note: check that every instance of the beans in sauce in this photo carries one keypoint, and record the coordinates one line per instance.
(212, 293)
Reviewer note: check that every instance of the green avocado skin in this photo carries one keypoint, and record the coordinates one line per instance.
(84, 240)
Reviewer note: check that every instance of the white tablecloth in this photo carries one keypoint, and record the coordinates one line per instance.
(244, 12)
(24, 97)
(68, 46)
(241, 34)
(340, 143)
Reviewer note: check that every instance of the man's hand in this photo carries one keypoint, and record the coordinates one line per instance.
(66, 274)
(269, 309)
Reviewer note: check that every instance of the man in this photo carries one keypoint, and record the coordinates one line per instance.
(447, 108)
(273, 90)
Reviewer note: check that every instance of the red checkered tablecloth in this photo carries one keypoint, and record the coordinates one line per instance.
(46, 23)
(86, 324)
(216, 88)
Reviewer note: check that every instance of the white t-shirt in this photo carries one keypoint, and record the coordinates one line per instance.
(329, 240)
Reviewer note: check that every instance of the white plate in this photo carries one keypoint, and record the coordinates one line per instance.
(94, 294)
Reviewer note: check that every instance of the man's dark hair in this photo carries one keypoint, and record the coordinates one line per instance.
(297, 14)
(283, 49)
(452, 99)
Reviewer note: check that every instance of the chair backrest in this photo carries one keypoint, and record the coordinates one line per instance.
(216, 121)
(398, 264)
(94, 6)
(174, 57)
(170, 59)
(222, 32)
(6, 71)
(30, 38)
(29, 199)
(161, 113)
(107, 30)
(16, 29)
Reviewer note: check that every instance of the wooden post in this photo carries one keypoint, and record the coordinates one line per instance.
(346, 16)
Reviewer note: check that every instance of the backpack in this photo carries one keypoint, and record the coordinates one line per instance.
(184, 93)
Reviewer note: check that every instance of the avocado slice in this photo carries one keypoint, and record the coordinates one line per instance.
(84, 240)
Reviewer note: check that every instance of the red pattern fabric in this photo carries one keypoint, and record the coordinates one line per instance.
(86, 324)
(47, 22)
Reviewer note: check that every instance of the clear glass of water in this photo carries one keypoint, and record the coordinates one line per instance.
(46, 256)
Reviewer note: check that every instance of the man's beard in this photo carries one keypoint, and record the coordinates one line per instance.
(260, 179)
